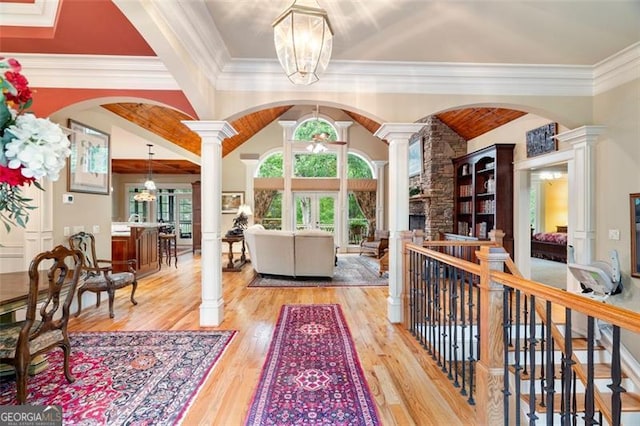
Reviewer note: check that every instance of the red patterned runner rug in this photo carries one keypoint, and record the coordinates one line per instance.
(312, 374)
(140, 377)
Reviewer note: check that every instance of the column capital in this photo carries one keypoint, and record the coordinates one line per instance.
(343, 124)
(398, 131)
(287, 123)
(250, 159)
(217, 130)
(379, 163)
(581, 134)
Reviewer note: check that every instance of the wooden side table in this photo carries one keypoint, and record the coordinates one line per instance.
(384, 262)
(237, 264)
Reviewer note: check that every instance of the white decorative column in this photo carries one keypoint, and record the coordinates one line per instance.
(212, 133)
(342, 220)
(397, 134)
(287, 169)
(380, 193)
(250, 162)
(582, 192)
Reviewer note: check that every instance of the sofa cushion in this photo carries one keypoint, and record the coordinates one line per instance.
(315, 253)
(270, 251)
(313, 233)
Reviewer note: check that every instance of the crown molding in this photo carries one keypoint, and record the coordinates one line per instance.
(617, 69)
(416, 77)
(95, 71)
(39, 13)
(201, 40)
(133, 72)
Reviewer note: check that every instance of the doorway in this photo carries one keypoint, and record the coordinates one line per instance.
(184, 213)
(315, 210)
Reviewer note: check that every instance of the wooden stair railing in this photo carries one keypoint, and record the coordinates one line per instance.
(491, 282)
(559, 339)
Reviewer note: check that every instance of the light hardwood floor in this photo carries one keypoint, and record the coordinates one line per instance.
(408, 388)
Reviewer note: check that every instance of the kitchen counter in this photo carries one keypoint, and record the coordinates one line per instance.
(138, 241)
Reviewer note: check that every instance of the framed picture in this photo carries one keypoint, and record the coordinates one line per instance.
(415, 157)
(231, 201)
(89, 164)
(541, 140)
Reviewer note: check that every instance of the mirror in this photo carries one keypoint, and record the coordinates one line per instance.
(635, 235)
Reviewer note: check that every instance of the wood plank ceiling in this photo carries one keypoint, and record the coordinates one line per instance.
(167, 123)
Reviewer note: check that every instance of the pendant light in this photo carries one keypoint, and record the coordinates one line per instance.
(149, 185)
(303, 39)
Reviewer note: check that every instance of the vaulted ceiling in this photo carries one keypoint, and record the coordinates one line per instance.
(166, 123)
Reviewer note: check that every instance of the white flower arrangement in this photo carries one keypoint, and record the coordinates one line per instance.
(31, 148)
(38, 146)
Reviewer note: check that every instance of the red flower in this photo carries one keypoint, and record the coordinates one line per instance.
(13, 176)
(21, 85)
(14, 64)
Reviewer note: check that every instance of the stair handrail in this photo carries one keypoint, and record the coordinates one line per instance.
(558, 337)
(615, 315)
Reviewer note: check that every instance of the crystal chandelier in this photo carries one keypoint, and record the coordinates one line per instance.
(149, 185)
(303, 38)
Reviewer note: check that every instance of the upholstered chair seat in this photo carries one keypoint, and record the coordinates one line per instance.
(375, 245)
(22, 341)
(98, 273)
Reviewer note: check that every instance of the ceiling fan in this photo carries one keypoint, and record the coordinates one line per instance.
(319, 141)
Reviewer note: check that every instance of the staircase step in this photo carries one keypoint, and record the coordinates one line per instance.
(580, 344)
(600, 371)
(630, 402)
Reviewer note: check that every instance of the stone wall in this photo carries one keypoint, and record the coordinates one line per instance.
(440, 145)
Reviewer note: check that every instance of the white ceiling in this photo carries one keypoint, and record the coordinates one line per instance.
(562, 32)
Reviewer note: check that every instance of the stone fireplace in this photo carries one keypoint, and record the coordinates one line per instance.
(434, 204)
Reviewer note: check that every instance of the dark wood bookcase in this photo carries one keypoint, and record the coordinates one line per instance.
(478, 210)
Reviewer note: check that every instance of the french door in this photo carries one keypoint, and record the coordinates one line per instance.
(315, 210)
(184, 231)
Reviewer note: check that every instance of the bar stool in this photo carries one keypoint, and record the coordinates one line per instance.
(167, 248)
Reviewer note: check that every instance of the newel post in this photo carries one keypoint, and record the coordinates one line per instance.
(497, 236)
(490, 371)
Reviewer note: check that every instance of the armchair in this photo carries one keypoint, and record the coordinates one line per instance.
(377, 244)
(98, 278)
(22, 341)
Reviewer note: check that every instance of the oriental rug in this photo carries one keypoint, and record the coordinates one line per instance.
(352, 271)
(143, 377)
(312, 374)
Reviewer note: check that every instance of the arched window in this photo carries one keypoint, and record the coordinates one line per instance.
(317, 165)
(322, 164)
(313, 126)
(271, 166)
(358, 167)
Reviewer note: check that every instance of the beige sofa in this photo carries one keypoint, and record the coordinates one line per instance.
(296, 254)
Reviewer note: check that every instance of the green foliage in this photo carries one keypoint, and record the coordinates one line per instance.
(306, 130)
(357, 168)
(315, 165)
(327, 210)
(354, 208)
(272, 166)
(14, 208)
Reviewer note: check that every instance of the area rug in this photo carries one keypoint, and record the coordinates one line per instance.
(352, 270)
(145, 377)
(312, 374)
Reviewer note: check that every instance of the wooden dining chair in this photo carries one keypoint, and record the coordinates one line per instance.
(22, 341)
(98, 275)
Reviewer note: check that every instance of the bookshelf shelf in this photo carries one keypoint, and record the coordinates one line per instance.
(477, 209)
